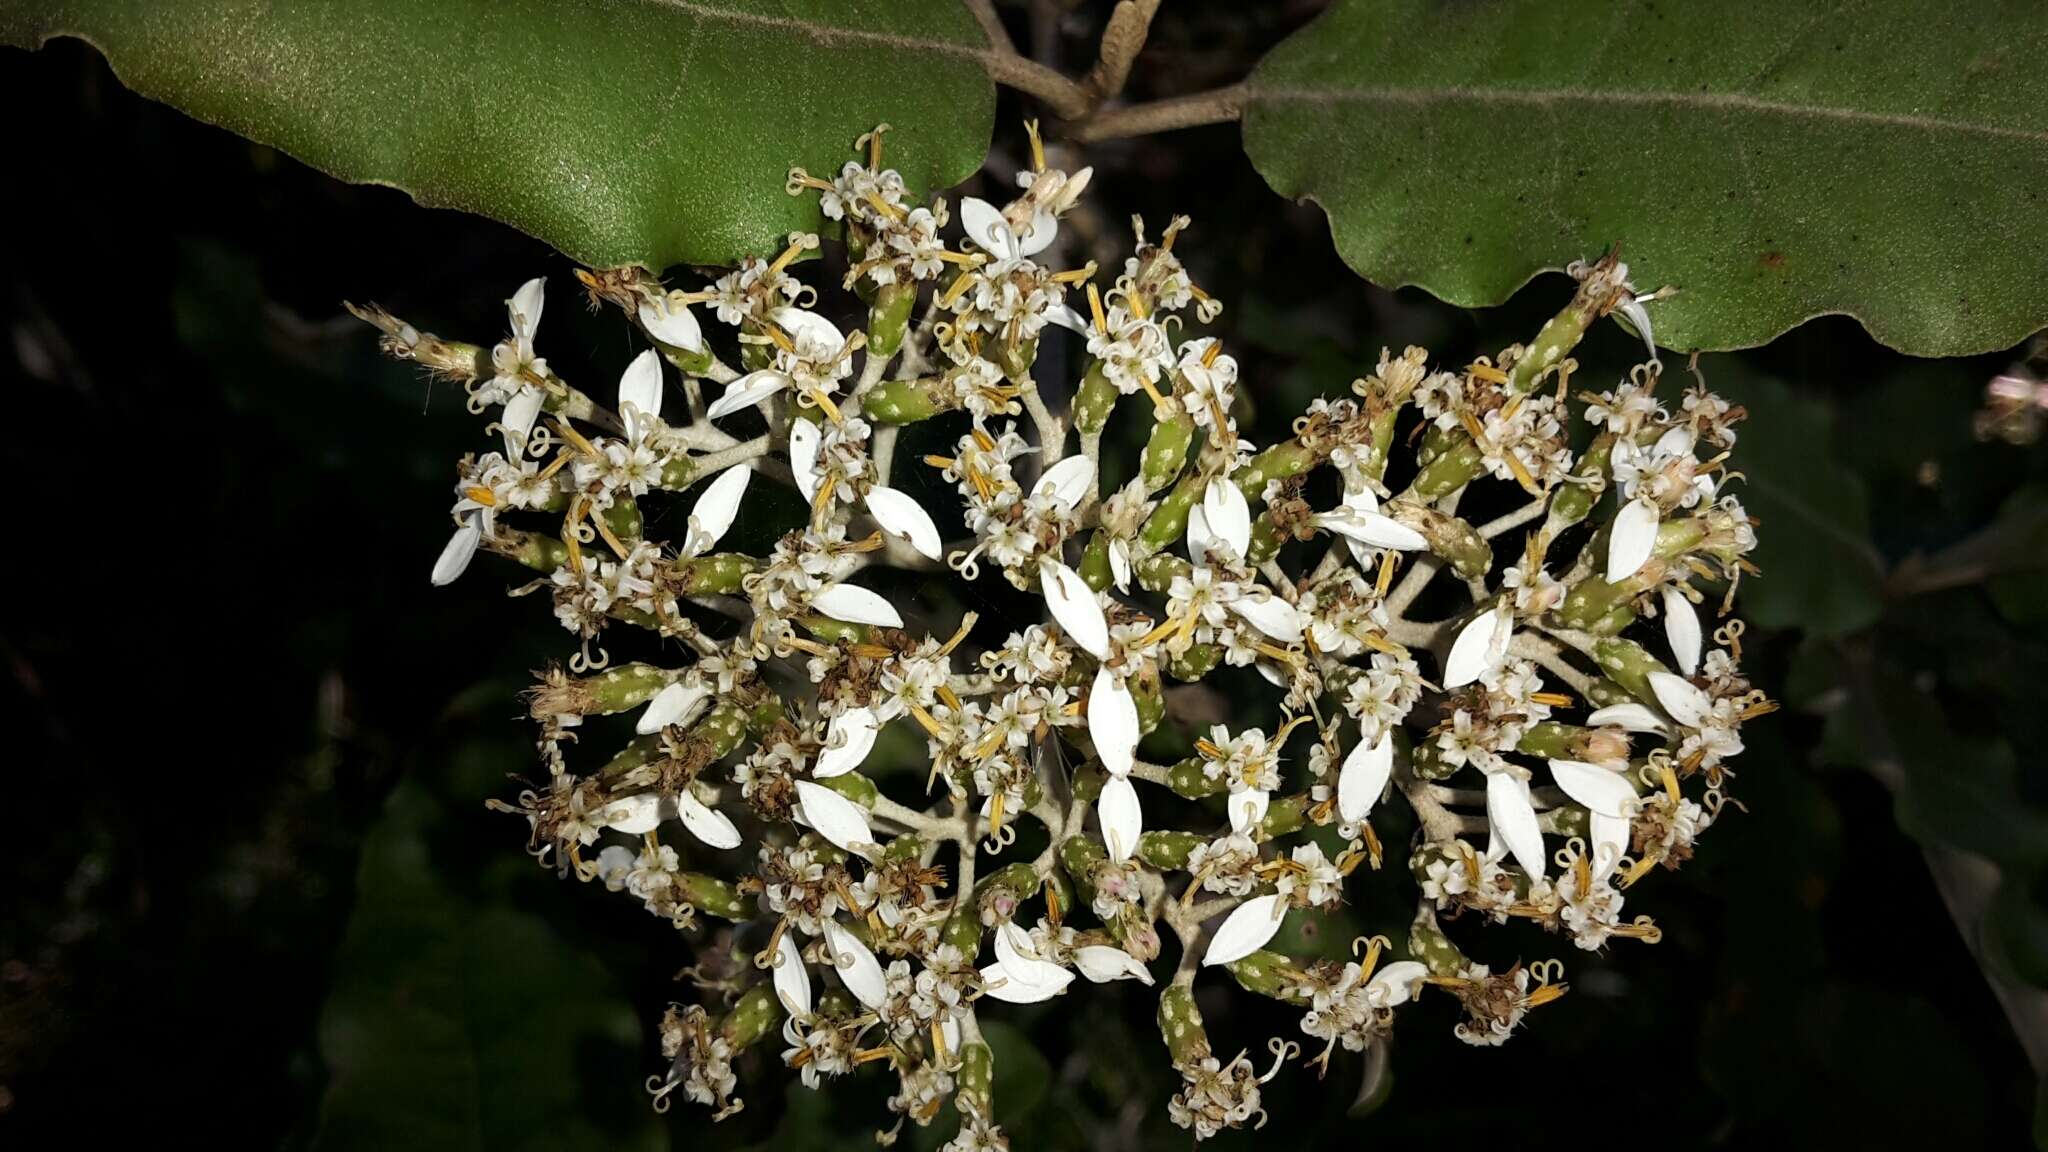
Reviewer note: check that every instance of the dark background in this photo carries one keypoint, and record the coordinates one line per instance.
(254, 897)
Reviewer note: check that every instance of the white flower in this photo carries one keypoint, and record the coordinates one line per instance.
(1228, 516)
(1682, 629)
(513, 361)
(678, 703)
(839, 820)
(749, 391)
(1631, 539)
(1074, 605)
(1480, 647)
(640, 395)
(1511, 818)
(1122, 821)
(792, 981)
(848, 740)
(672, 323)
(856, 964)
(1101, 963)
(1019, 976)
(714, 511)
(1247, 929)
(988, 230)
(1359, 521)
(457, 553)
(1364, 776)
(856, 605)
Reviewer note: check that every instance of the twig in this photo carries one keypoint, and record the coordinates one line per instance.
(992, 26)
(1220, 106)
(1122, 38)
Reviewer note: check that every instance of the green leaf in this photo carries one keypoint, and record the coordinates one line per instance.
(1813, 542)
(654, 132)
(1883, 161)
(454, 1024)
(1820, 571)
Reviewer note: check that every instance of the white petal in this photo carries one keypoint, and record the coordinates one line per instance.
(1364, 776)
(899, 515)
(858, 969)
(720, 502)
(811, 333)
(1122, 820)
(1479, 648)
(672, 324)
(848, 740)
(1113, 722)
(1271, 615)
(1269, 674)
(1074, 605)
(1001, 983)
(746, 392)
(1373, 529)
(1680, 699)
(1015, 952)
(986, 228)
(1511, 816)
(634, 815)
(671, 705)
(804, 438)
(856, 605)
(1229, 515)
(525, 305)
(792, 980)
(836, 818)
(1639, 319)
(1600, 790)
(1610, 837)
(1039, 235)
(1247, 929)
(456, 554)
(1676, 441)
(1065, 316)
(1682, 629)
(1631, 539)
(1201, 541)
(1630, 717)
(706, 824)
(640, 391)
(1068, 480)
(517, 421)
(1394, 984)
(1119, 566)
(1101, 963)
(1247, 809)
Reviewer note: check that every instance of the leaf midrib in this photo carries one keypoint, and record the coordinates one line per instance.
(825, 33)
(1715, 101)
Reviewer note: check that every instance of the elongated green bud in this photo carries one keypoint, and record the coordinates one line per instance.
(754, 1016)
(711, 895)
(889, 317)
(906, 401)
(1094, 400)
(1166, 452)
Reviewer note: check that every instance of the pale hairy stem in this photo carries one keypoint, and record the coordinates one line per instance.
(1547, 653)
(1513, 520)
(1438, 822)
(924, 823)
(1220, 106)
(1274, 576)
(1052, 438)
(992, 25)
(753, 449)
(882, 450)
(1420, 573)
(693, 398)
(1122, 39)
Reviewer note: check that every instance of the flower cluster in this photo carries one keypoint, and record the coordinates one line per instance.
(1561, 735)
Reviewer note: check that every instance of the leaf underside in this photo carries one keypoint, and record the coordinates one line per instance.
(1774, 163)
(650, 132)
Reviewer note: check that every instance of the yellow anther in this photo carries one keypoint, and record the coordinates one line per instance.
(825, 402)
(1209, 749)
(779, 338)
(1379, 643)
(943, 462)
(1488, 373)
(967, 259)
(576, 438)
(1671, 783)
(927, 722)
(1215, 350)
(949, 698)
(983, 440)
(1037, 146)
(604, 530)
(481, 495)
(1076, 275)
(1095, 308)
(872, 141)
(1473, 427)
(1388, 563)
(1544, 994)
(956, 289)
(1554, 699)
(796, 247)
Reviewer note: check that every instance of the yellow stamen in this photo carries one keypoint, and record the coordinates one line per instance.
(956, 289)
(1095, 307)
(870, 1055)
(1388, 563)
(871, 651)
(942, 462)
(1582, 874)
(949, 697)
(825, 402)
(1037, 146)
(481, 495)
(1372, 958)
(927, 722)
(1281, 655)
(1671, 784)
(995, 812)
(1379, 643)
(966, 259)
(874, 142)
(823, 500)
(1544, 994)
(604, 530)
(1052, 905)
(779, 338)
(1076, 275)
(1206, 748)
(872, 542)
(1637, 872)
(966, 623)
(939, 1040)
(569, 535)
(1554, 699)
(986, 442)
(576, 438)
(1372, 845)
(1521, 472)
(1473, 426)
(1488, 373)
(1159, 633)
(1158, 401)
(788, 254)
(883, 206)
(556, 464)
